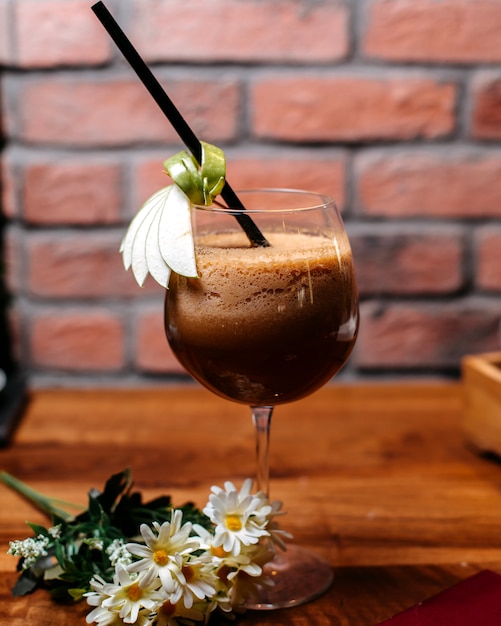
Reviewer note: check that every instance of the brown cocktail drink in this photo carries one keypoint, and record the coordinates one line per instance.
(268, 324)
(264, 325)
(263, 321)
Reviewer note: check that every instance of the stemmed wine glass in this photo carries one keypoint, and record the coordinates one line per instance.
(266, 325)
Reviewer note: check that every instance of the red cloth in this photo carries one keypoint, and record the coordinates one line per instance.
(475, 601)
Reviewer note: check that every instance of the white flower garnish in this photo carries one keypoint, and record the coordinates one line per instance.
(160, 239)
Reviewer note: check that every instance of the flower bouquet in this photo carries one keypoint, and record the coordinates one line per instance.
(151, 564)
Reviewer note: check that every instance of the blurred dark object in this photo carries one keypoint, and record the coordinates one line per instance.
(13, 398)
(13, 388)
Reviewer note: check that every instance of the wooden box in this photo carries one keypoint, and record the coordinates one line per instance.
(481, 377)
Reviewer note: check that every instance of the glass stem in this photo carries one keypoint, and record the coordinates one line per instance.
(261, 416)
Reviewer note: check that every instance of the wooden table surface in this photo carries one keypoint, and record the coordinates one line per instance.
(379, 479)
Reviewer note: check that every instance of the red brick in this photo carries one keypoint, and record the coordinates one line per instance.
(147, 176)
(59, 32)
(462, 31)
(119, 112)
(403, 261)
(152, 350)
(9, 180)
(486, 106)
(6, 43)
(225, 30)
(77, 340)
(488, 270)
(312, 170)
(79, 265)
(355, 108)
(305, 171)
(72, 192)
(425, 336)
(14, 258)
(434, 183)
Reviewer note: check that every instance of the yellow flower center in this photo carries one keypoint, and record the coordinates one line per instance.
(160, 557)
(134, 592)
(223, 572)
(233, 522)
(188, 572)
(168, 608)
(219, 551)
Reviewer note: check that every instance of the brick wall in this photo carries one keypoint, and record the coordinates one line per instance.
(392, 106)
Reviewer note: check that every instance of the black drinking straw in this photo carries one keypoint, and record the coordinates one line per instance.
(173, 115)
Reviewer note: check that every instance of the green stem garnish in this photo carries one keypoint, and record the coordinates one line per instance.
(200, 183)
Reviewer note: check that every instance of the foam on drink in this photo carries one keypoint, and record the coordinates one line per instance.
(264, 324)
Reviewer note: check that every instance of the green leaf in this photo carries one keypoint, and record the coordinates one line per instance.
(77, 594)
(38, 529)
(116, 485)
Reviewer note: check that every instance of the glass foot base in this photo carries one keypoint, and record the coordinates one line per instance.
(299, 576)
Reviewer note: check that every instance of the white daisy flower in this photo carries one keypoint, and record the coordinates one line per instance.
(168, 613)
(99, 615)
(194, 580)
(277, 534)
(240, 517)
(97, 595)
(244, 587)
(104, 617)
(158, 556)
(126, 595)
(226, 564)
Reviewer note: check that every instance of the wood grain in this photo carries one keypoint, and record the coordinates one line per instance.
(379, 479)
